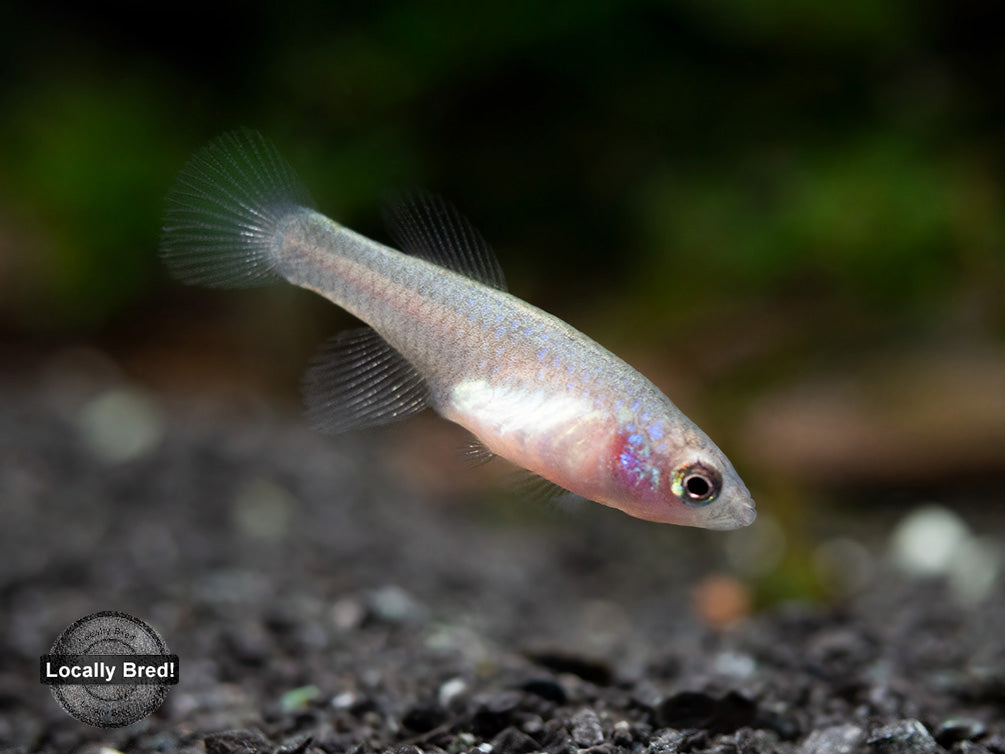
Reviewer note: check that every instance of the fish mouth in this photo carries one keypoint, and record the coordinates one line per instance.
(735, 517)
(745, 515)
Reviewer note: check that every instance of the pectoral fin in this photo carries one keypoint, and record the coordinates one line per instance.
(529, 485)
(474, 453)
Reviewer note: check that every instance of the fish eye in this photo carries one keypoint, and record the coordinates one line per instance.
(696, 484)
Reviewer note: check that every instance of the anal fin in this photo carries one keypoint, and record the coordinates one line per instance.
(357, 380)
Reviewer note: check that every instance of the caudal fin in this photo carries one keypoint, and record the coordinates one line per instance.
(223, 215)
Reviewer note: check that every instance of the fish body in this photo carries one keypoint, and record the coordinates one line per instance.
(444, 333)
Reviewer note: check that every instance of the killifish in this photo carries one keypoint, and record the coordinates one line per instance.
(443, 332)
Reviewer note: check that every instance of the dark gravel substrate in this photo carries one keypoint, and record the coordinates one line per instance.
(318, 605)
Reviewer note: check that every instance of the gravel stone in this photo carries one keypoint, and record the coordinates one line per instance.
(969, 747)
(690, 709)
(238, 742)
(546, 689)
(837, 739)
(585, 728)
(959, 729)
(667, 742)
(513, 741)
(902, 737)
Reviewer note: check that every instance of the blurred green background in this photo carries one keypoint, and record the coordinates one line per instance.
(790, 215)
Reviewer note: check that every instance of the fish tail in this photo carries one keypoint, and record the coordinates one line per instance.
(223, 218)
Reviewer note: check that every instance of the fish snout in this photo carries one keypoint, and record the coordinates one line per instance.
(745, 514)
(737, 512)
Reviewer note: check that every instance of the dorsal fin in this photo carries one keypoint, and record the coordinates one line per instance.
(357, 380)
(427, 226)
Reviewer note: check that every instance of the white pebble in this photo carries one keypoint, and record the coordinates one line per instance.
(927, 540)
(120, 424)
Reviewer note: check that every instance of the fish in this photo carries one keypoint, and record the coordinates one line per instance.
(443, 332)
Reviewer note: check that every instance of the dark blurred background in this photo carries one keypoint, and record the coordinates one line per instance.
(789, 215)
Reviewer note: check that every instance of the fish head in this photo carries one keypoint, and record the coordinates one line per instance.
(689, 482)
(706, 491)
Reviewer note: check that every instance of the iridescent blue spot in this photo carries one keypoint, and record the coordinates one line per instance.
(635, 406)
(645, 416)
(501, 331)
(541, 354)
(635, 439)
(656, 431)
(629, 427)
(633, 466)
